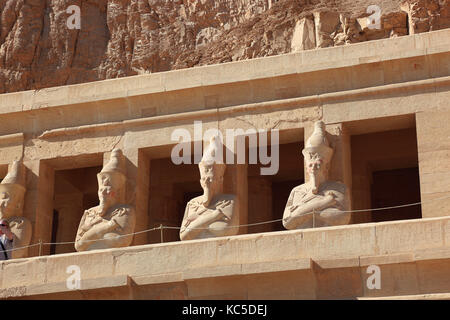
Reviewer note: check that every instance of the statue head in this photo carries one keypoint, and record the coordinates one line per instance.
(318, 154)
(12, 191)
(212, 170)
(111, 181)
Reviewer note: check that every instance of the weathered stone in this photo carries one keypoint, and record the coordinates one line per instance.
(12, 191)
(303, 37)
(326, 22)
(111, 223)
(122, 38)
(213, 214)
(385, 106)
(319, 202)
(427, 15)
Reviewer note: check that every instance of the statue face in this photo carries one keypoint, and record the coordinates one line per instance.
(5, 200)
(207, 176)
(107, 193)
(315, 165)
(9, 200)
(210, 176)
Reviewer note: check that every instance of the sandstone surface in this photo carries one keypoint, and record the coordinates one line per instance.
(121, 38)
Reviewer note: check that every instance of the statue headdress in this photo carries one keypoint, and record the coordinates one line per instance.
(115, 164)
(213, 156)
(318, 143)
(15, 179)
(14, 184)
(113, 170)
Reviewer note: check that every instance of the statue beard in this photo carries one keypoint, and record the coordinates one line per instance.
(104, 206)
(210, 191)
(207, 196)
(315, 186)
(316, 179)
(107, 201)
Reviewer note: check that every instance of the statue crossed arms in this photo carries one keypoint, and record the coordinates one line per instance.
(319, 202)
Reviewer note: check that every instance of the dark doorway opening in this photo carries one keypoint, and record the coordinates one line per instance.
(76, 190)
(268, 194)
(396, 187)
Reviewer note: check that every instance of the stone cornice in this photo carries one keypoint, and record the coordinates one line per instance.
(227, 73)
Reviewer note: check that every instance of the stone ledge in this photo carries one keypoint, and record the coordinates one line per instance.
(60, 287)
(291, 103)
(336, 263)
(327, 249)
(12, 138)
(406, 257)
(431, 296)
(240, 270)
(158, 279)
(434, 254)
(246, 269)
(386, 259)
(227, 73)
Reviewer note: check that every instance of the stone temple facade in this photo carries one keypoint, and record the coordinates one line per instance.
(382, 107)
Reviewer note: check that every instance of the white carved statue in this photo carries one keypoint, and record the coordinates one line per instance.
(212, 214)
(12, 192)
(318, 202)
(108, 222)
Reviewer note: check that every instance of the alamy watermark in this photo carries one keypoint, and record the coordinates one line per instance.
(73, 282)
(235, 147)
(374, 280)
(374, 20)
(74, 20)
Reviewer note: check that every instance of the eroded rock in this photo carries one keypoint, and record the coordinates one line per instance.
(127, 37)
(427, 15)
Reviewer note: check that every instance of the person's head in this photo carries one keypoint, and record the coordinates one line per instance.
(4, 225)
(111, 182)
(12, 191)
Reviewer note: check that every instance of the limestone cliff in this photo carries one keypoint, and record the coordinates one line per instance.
(127, 37)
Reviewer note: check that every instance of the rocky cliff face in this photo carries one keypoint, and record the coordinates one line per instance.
(127, 37)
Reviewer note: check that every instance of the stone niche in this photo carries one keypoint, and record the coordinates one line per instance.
(385, 173)
(74, 190)
(171, 187)
(3, 171)
(268, 194)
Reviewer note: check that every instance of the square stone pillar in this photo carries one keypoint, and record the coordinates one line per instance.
(433, 145)
(341, 166)
(38, 206)
(235, 182)
(137, 193)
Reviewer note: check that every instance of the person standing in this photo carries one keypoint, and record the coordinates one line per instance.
(6, 240)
